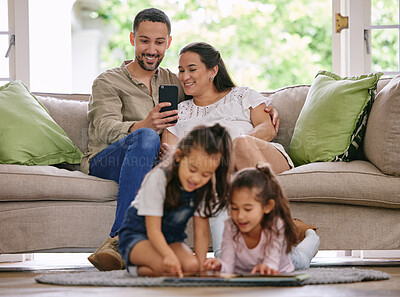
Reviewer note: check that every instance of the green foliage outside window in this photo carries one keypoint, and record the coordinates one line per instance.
(266, 44)
(385, 43)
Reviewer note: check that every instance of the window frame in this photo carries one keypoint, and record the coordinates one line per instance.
(349, 43)
(367, 32)
(18, 25)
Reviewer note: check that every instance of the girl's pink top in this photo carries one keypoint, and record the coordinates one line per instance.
(236, 257)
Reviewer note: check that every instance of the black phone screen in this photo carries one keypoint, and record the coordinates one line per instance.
(168, 93)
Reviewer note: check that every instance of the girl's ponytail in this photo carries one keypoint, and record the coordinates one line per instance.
(265, 169)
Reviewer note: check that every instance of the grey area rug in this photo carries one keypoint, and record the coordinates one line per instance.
(124, 279)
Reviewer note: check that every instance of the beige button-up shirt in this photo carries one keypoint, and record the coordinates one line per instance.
(118, 101)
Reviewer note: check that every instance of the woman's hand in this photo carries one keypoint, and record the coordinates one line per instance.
(172, 265)
(168, 142)
(165, 148)
(263, 127)
(274, 116)
(212, 264)
(264, 270)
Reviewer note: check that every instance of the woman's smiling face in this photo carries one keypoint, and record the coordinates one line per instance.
(193, 74)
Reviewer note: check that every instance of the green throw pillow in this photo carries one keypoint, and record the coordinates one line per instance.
(332, 122)
(28, 135)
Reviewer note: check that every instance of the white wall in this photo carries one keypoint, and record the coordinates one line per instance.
(85, 59)
(50, 45)
(64, 56)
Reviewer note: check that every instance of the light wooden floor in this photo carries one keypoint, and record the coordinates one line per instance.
(19, 281)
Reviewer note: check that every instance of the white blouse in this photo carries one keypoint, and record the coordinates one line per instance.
(231, 112)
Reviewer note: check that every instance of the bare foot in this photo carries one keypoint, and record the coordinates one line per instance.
(145, 271)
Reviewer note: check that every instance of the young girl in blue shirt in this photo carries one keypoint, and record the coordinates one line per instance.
(193, 181)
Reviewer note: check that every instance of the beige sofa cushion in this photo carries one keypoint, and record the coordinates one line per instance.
(356, 183)
(47, 225)
(382, 136)
(281, 99)
(39, 183)
(71, 115)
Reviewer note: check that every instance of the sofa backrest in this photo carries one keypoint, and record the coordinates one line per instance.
(288, 101)
(70, 112)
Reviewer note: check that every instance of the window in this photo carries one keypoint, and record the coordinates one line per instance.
(14, 22)
(68, 54)
(42, 54)
(266, 44)
(371, 41)
(50, 45)
(5, 37)
(383, 36)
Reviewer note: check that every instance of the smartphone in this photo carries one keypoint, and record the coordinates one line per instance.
(168, 93)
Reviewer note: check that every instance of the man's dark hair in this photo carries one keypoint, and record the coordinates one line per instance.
(152, 15)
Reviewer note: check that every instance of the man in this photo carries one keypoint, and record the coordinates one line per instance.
(125, 121)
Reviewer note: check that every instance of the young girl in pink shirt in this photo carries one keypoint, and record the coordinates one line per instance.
(260, 235)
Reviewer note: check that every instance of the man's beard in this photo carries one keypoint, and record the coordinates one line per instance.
(147, 68)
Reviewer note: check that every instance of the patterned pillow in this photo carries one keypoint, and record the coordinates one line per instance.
(332, 122)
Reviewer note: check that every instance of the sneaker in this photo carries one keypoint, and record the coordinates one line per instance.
(302, 227)
(107, 256)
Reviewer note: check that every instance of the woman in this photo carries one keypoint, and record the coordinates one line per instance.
(240, 110)
(216, 99)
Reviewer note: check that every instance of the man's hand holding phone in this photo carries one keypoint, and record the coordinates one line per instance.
(168, 93)
(157, 120)
(164, 114)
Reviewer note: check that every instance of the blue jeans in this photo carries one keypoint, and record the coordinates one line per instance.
(173, 225)
(127, 161)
